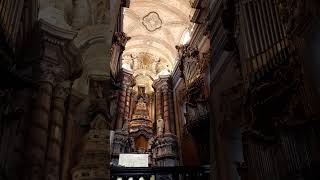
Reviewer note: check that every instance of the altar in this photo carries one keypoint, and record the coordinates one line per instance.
(134, 160)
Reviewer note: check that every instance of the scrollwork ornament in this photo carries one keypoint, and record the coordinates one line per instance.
(120, 39)
(182, 50)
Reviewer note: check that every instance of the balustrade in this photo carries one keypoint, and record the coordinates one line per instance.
(154, 173)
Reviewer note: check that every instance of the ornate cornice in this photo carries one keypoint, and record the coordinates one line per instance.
(186, 51)
(162, 82)
(60, 52)
(56, 34)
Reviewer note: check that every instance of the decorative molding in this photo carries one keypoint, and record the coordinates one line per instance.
(152, 21)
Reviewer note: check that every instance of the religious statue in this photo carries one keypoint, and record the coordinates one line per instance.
(160, 125)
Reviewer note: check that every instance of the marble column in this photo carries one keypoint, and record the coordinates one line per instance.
(119, 42)
(167, 104)
(166, 111)
(121, 137)
(59, 58)
(121, 106)
(40, 123)
(165, 151)
(128, 102)
(158, 104)
(171, 113)
(61, 91)
(125, 98)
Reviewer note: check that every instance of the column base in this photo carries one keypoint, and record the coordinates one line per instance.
(165, 150)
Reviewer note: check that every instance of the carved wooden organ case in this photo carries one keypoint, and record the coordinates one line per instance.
(194, 71)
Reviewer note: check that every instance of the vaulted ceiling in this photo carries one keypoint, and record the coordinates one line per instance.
(155, 28)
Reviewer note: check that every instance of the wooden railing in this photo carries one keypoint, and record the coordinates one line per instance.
(155, 173)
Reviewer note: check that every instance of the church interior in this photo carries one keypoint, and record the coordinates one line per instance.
(159, 90)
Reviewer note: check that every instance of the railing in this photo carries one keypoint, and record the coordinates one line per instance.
(159, 173)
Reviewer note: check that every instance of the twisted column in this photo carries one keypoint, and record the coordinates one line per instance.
(61, 91)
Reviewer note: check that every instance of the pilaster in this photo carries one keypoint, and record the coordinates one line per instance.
(119, 42)
(59, 62)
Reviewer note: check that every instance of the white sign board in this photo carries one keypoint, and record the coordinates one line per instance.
(133, 160)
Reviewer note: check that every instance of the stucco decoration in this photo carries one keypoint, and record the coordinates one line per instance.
(155, 28)
(152, 21)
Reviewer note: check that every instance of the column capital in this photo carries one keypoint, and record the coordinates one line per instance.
(62, 90)
(48, 72)
(120, 39)
(60, 52)
(187, 51)
(163, 83)
(125, 3)
(127, 78)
